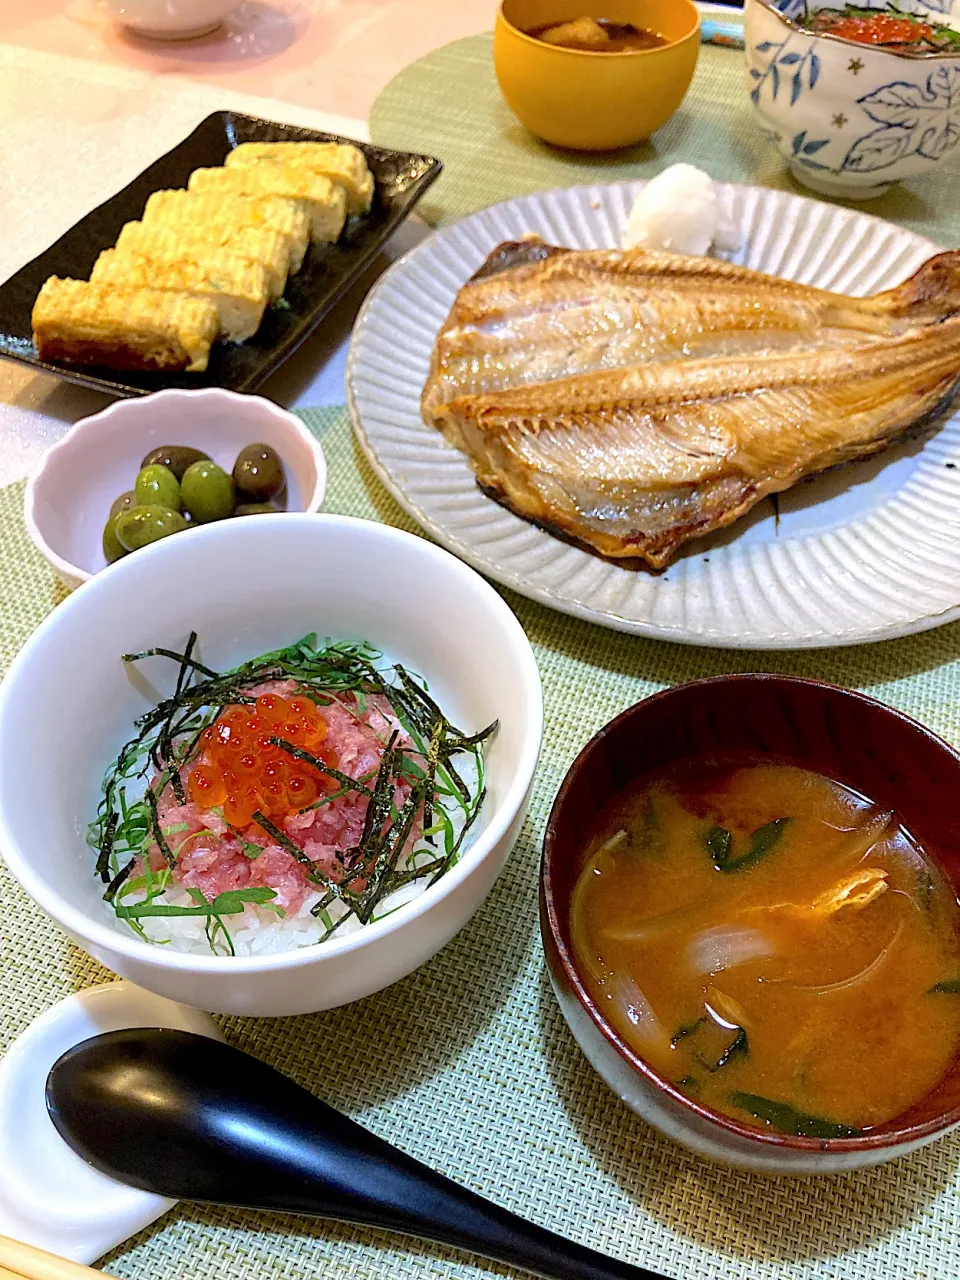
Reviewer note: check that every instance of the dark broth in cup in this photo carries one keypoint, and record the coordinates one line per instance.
(597, 35)
(773, 944)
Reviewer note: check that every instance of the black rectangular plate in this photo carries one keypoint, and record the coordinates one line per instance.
(328, 270)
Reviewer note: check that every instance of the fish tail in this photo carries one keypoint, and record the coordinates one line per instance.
(931, 294)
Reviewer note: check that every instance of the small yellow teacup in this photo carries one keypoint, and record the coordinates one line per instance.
(595, 101)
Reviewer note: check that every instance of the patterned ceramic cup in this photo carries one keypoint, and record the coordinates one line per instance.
(851, 119)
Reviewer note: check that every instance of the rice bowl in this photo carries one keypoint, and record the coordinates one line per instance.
(250, 587)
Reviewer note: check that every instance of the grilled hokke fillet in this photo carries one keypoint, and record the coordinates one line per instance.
(634, 462)
(562, 312)
(669, 394)
(96, 324)
(340, 163)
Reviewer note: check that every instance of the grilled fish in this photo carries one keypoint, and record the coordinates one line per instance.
(588, 390)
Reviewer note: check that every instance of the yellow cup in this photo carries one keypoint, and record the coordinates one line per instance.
(595, 101)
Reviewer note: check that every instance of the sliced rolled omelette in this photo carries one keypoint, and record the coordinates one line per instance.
(235, 285)
(342, 164)
(171, 244)
(324, 202)
(135, 328)
(197, 210)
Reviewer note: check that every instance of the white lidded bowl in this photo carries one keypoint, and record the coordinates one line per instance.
(68, 498)
(170, 19)
(850, 119)
(247, 586)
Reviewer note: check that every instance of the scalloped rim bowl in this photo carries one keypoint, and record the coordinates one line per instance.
(847, 736)
(99, 457)
(67, 705)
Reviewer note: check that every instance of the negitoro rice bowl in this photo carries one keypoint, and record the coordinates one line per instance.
(304, 793)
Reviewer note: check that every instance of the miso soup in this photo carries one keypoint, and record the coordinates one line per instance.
(776, 946)
(597, 35)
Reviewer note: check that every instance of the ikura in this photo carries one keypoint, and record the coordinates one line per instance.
(880, 28)
(241, 769)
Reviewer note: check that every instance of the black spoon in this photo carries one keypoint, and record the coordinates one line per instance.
(193, 1119)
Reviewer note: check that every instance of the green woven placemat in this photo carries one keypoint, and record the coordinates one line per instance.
(449, 105)
(467, 1063)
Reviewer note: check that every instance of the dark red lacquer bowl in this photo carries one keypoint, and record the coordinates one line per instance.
(855, 740)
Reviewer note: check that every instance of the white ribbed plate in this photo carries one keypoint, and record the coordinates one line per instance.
(867, 552)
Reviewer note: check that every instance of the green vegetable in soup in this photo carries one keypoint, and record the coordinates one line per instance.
(782, 1116)
(764, 840)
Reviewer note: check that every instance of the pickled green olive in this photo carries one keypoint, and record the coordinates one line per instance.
(207, 492)
(258, 472)
(157, 486)
(123, 503)
(142, 525)
(175, 456)
(254, 509)
(113, 548)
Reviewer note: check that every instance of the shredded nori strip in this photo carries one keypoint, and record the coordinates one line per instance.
(106, 846)
(184, 659)
(300, 753)
(158, 835)
(116, 883)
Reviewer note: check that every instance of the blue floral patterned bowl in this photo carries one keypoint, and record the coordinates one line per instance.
(851, 119)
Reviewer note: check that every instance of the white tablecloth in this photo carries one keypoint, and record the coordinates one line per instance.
(73, 134)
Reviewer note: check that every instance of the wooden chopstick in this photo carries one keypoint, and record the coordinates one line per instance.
(24, 1262)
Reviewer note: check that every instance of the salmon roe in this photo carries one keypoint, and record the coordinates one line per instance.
(242, 770)
(879, 28)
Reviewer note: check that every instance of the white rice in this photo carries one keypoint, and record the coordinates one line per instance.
(680, 210)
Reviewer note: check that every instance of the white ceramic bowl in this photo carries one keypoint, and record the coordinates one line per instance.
(67, 705)
(68, 498)
(170, 19)
(850, 119)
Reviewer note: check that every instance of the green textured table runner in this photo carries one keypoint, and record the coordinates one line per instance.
(467, 1063)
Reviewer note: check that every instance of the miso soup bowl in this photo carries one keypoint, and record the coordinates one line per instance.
(595, 101)
(68, 704)
(845, 736)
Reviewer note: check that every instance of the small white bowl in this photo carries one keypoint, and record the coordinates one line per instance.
(246, 586)
(851, 119)
(68, 499)
(170, 19)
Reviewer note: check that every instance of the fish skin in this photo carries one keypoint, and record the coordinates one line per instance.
(589, 391)
(564, 312)
(634, 462)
